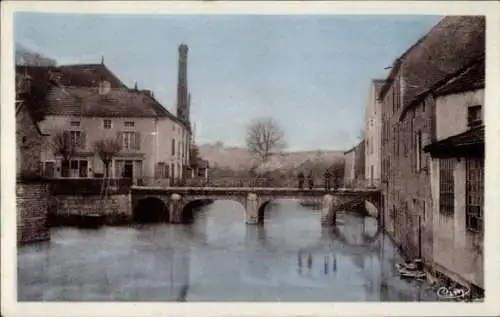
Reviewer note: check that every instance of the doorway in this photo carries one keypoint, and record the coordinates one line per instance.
(128, 169)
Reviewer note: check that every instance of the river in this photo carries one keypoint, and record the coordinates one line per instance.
(219, 258)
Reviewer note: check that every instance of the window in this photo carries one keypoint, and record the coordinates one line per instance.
(129, 124)
(160, 170)
(418, 151)
(474, 116)
(474, 187)
(130, 140)
(78, 168)
(75, 123)
(77, 138)
(107, 124)
(446, 186)
(173, 147)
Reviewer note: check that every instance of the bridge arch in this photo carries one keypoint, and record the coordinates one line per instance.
(149, 210)
(261, 210)
(189, 205)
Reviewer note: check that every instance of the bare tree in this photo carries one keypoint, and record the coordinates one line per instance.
(62, 145)
(106, 149)
(264, 138)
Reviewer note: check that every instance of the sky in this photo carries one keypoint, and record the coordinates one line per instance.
(310, 73)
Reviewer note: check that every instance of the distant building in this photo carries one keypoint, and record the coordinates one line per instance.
(373, 132)
(354, 168)
(457, 177)
(409, 124)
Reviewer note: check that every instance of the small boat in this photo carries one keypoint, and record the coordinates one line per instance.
(91, 221)
(415, 265)
(411, 269)
(412, 274)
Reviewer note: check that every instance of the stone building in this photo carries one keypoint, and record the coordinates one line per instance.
(354, 168)
(31, 189)
(457, 177)
(88, 103)
(408, 124)
(373, 132)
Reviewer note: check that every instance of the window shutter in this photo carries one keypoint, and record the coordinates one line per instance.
(119, 136)
(137, 141)
(83, 139)
(158, 170)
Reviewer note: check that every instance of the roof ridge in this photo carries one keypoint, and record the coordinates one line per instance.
(452, 78)
(81, 65)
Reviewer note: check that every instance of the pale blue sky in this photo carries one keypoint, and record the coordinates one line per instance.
(311, 73)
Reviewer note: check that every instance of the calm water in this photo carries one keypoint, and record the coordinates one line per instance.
(218, 257)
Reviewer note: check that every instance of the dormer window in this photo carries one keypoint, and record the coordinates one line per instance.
(107, 124)
(474, 116)
(75, 123)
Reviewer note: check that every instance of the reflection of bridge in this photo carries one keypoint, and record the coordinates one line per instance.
(174, 204)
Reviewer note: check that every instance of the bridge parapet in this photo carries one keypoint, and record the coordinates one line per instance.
(268, 182)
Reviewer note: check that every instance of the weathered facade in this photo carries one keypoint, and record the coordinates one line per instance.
(457, 178)
(408, 125)
(373, 132)
(88, 103)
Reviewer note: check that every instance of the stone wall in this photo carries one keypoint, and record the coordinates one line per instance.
(32, 209)
(406, 183)
(65, 209)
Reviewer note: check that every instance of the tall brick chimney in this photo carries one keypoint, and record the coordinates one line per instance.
(182, 86)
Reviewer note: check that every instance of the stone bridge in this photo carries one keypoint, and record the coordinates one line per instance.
(174, 204)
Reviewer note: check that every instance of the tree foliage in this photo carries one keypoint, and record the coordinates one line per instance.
(107, 149)
(265, 137)
(62, 145)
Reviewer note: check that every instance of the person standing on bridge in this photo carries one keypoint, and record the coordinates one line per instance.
(310, 180)
(327, 177)
(301, 180)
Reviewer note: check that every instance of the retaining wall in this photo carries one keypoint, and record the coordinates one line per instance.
(32, 209)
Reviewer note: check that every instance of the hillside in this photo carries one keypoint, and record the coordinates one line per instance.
(237, 159)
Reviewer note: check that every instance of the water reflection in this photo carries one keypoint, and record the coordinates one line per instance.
(218, 257)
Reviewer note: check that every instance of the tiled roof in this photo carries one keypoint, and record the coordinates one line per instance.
(469, 143)
(86, 75)
(354, 148)
(117, 102)
(451, 45)
(72, 89)
(470, 79)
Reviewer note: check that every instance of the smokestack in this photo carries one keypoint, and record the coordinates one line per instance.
(182, 87)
